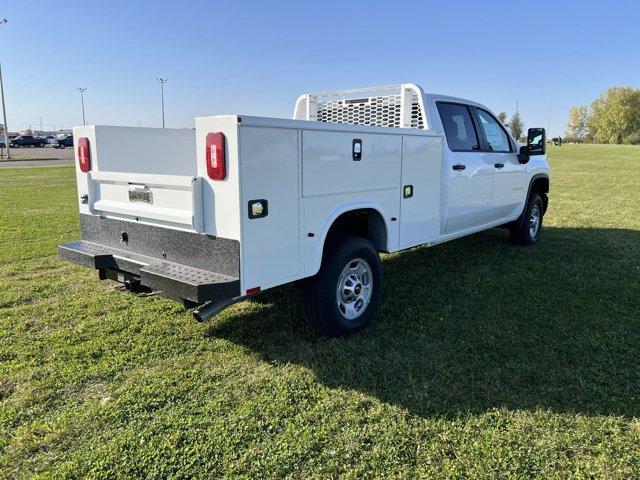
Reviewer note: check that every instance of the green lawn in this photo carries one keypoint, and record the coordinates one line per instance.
(486, 361)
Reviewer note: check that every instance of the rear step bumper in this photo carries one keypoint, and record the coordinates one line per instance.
(173, 280)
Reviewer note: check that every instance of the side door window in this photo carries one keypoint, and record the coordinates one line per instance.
(494, 134)
(458, 127)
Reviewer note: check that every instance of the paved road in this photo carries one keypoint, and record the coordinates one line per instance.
(36, 163)
(46, 152)
(38, 157)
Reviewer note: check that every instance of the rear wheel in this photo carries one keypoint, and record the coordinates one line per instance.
(527, 230)
(346, 293)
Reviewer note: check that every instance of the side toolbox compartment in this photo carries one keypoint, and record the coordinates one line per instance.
(270, 176)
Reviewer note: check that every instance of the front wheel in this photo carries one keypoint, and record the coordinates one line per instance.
(346, 293)
(527, 230)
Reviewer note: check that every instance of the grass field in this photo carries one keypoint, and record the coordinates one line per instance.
(486, 361)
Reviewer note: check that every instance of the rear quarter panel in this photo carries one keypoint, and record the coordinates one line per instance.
(221, 198)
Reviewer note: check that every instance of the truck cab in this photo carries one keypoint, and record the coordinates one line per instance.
(488, 181)
(244, 204)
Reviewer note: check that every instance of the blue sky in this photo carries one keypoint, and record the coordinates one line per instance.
(256, 57)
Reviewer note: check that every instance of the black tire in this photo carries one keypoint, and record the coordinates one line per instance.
(41, 145)
(62, 146)
(320, 292)
(523, 231)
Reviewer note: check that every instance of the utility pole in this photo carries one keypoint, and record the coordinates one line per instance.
(82, 90)
(162, 81)
(4, 109)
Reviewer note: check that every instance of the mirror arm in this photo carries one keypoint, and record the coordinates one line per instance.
(524, 155)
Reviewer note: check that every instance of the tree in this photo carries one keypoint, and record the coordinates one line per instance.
(502, 118)
(615, 116)
(578, 124)
(516, 126)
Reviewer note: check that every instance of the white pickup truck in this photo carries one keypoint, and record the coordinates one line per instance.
(243, 204)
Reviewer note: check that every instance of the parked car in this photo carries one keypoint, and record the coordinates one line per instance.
(64, 142)
(53, 141)
(2, 143)
(27, 141)
(245, 204)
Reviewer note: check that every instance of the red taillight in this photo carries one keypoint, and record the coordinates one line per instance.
(84, 154)
(215, 156)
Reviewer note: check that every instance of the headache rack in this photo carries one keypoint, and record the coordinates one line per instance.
(399, 106)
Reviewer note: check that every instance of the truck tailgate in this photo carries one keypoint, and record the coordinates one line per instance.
(159, 199)
(143, 175)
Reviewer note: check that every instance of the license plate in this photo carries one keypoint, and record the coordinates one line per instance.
(140, 195)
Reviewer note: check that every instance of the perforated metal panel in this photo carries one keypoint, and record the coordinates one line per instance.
(417, 120)
(389, 106)
(380, 111)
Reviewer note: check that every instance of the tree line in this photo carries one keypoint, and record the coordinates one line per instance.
(515, 125)
(614, 117)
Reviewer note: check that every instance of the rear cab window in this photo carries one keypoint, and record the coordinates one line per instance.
(458, 127)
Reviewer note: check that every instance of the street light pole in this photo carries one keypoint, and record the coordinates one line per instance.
(82, 90)
(162, 81)
(549, 115)
(4, 109)
(4, 115)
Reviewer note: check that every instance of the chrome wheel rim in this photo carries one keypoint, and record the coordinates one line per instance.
(534, 221)
(355, 286)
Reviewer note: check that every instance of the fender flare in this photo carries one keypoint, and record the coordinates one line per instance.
(330, 220)
(535, 177)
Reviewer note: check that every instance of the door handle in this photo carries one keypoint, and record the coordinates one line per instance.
(499, 165)
(459, 166)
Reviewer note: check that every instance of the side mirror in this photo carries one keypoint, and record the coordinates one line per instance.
(524, 155)
(536, 141)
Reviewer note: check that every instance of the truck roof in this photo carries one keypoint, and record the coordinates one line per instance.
(449, 98)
